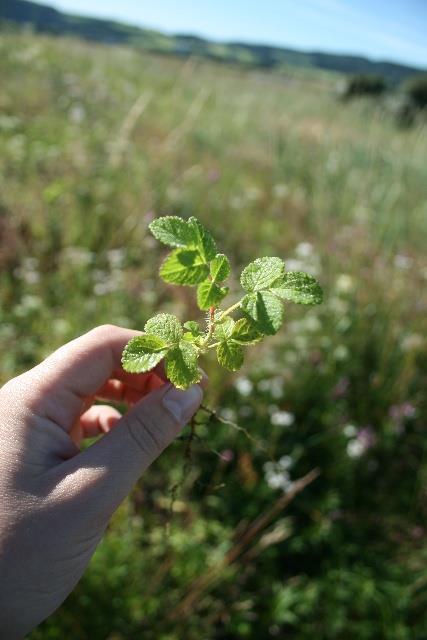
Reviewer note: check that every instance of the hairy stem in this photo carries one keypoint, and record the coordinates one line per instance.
(213, 345)
(230, 310)
(211, 326)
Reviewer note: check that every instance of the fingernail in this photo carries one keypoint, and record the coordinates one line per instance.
(183, 404)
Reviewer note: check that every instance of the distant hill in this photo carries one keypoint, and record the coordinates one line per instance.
(48, 20)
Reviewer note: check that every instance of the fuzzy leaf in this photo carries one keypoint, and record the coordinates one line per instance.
(201, 239)
(210, 294)
(230, 355)
(264, 310)
(142, 353)
(184, 266)
(220, 268)
(166, 326)
(244, 332)
(262, 273)
(299, 287)
(181, 365)
(193, 327)
(224, 329)
(172, 231)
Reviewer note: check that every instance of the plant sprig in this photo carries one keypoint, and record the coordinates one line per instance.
(194, 261)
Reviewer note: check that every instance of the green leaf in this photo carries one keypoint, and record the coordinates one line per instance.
(142, 353)
(224, 329)
(244, 332)
(210, 294)
(172, 231)
(181, 365)
(220, 268)
(166, 326)
(193, 327)
(201, 239)
(184, 266)
(194, 333)
(230, 355)
(262, 273)
(265, 311)
(299, 287)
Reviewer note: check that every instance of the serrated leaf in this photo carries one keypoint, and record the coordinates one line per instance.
(181, 365)
(265, 310)
(220, 268)
(142, 353)
(299, 287)
(166, 326)
(210, 294)
(184, 266)
(224, 329)
(244, 332)
(189, 337)
(201, 239)
(262, 273)
(230, 355)
(193, 327)
(172, 231)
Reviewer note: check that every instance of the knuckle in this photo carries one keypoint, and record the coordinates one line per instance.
(104, 330)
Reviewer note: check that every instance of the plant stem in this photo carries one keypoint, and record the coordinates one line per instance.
(230, 310)
(214, 344)
(211, 326)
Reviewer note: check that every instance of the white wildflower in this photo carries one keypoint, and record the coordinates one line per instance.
(77, 113)
(304, 250)
(294, 265)
(403, 262)
(116, 257)
(244, 386)
(228, 414)
(341, 352)
(280, 191)
(350, 430)
(344, 283)
(277, 474)
(77, 256)
(282, 419)
(311, 323)
(285, 462)
(355, 449)
(412, 342)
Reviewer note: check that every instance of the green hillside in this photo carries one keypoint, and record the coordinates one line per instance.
(48, 20)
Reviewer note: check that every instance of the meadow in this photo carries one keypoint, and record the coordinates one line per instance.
(224, 540)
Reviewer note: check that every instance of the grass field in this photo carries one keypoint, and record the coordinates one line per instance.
(94, 142)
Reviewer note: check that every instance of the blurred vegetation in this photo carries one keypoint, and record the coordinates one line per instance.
(416, 89)
(365, 85)
(46, 19)
(406, 103)
(94, 142)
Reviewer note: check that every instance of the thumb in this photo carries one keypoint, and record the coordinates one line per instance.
(102, 476)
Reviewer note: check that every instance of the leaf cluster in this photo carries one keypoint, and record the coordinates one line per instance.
(194, 261)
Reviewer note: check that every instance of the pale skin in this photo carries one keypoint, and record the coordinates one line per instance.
(56, 500)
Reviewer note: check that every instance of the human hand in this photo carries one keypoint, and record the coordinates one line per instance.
(57, 500)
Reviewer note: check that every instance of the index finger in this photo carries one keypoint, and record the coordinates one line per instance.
(59, 385)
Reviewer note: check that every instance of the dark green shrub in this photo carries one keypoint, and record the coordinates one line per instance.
(364, 85)
(416, 90)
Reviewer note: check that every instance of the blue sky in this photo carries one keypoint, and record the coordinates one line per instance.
(380, 29)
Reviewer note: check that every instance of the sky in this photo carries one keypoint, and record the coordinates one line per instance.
(393, 30)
